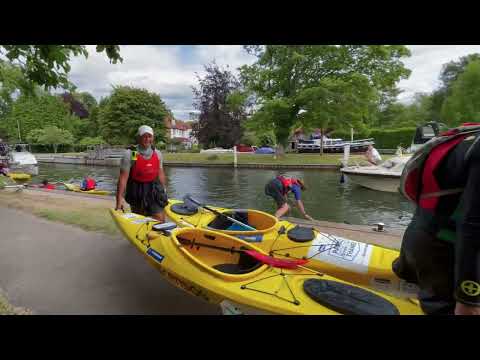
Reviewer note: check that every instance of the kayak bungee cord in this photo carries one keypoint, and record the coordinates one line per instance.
(283, 276)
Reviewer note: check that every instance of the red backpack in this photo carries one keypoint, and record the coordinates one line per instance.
(418, 183)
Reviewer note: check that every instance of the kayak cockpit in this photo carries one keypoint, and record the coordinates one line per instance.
(217, 253)
(259, 220)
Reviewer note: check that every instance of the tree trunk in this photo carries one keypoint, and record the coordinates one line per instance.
(280, 151)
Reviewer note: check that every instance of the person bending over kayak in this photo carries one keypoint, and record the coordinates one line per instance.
(88, 183)
(142, 178)
(279, 188)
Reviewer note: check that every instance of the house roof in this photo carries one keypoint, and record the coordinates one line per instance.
(179, 124)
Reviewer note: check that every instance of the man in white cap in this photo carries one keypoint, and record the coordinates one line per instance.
(142, 179)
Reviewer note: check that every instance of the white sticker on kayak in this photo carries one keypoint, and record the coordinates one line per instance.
(341, 252)
(142, 220)
(129, 215)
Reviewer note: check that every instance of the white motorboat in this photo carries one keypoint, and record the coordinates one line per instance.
(216, 151)
(20, 159)
(332, 145)
(386, 176)
(382, 177)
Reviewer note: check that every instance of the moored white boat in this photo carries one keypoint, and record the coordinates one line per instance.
(382, 177)
(20, 159)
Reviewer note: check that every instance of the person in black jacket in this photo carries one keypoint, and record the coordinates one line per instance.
(441, 250)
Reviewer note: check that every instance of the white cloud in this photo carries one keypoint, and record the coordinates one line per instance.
(426, 63)
(170, 70)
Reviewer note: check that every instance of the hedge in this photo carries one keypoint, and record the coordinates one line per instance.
(384, 139)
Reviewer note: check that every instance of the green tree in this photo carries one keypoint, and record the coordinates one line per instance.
(324, 84)
(463, 103)
(28, 113)
(51, 135)
(98, 140)
(48, 65)
(87, 99)
(126, 109)
(221, 106)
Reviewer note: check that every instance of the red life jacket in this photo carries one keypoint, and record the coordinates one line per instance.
(89, 184)
(49, 187)
(418, 183)
(287, 183)
(145, 170)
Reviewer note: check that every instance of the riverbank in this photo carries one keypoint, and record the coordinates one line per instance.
(291, 161)
(90, 213)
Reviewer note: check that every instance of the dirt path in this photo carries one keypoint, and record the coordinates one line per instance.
(53, 268)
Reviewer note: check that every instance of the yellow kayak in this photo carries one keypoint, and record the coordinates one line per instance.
(349, 260)
(243, 278)
(76, 188)
(19, 177)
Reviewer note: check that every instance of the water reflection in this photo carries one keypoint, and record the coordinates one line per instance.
(325, 198)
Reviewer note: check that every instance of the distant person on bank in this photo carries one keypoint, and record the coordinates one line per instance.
(279, 188)
(372, 155)
(142, 178)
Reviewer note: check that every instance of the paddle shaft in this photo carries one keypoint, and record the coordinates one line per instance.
(221, 214)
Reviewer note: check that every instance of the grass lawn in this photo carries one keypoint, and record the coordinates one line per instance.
(289, 159)
(88, 215)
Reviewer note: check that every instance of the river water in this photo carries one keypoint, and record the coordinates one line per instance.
(325, 199)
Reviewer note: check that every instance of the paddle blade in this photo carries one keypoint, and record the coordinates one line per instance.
(279, 263)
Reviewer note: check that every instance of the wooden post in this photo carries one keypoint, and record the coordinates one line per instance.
(235, 156)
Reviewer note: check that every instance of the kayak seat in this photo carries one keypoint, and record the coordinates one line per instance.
(347, 299)
(245, 265)
(222, 223)
(301, 234)
(182, 209)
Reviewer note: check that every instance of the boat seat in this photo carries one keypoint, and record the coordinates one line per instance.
(183, 209)
(301, 234)
(246, 264)
(347, 299)
(222, 223)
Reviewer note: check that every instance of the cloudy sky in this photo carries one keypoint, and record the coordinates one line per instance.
(170, 70)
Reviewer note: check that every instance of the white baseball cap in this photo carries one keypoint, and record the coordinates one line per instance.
(145, 129)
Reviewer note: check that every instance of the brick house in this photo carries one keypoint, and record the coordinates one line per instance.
(180, 130)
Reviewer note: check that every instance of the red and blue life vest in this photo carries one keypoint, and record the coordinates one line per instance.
(287, 183)
(145, 170)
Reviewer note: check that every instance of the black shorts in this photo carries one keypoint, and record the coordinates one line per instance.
(275, 189)
(146, 198)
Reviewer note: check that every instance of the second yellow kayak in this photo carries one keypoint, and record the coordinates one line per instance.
(76, 188)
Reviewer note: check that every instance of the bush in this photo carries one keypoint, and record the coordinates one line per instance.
(212, 157)
(391, 139)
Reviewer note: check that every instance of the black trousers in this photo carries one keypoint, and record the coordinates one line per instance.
(430, 263)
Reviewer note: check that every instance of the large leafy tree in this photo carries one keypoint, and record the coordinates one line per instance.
(36, 112)
(221, 106)
(463, 102)
(49, 65)
(448, 75)
(51, 135)
(126, 109)
(325, 84)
